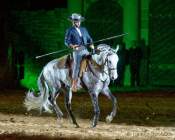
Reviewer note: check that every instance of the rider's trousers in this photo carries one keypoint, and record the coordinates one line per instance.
(77, 57)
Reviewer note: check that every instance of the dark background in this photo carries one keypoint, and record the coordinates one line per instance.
(34, 27)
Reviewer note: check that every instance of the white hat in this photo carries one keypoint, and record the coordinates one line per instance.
(76, 17)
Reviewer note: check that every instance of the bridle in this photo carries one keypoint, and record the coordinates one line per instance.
(106, 69)
(106, 63)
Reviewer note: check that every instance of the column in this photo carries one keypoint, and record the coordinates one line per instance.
(130, 26)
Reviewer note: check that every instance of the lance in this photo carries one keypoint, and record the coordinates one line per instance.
(60, 51)
(109, 38)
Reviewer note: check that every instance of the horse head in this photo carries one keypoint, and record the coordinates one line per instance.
(109, 58)
(111, 62)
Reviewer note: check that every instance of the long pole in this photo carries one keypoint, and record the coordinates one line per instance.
(60, 51)
(109, 38)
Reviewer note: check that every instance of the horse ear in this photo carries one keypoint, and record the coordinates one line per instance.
(117, 48)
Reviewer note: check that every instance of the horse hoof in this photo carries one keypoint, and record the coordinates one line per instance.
(109, 119)
(60, 122)
(94, 125)
(77, 126)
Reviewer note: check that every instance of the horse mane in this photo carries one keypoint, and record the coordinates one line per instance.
(103, 47)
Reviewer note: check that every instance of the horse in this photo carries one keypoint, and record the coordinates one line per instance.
(55, 78)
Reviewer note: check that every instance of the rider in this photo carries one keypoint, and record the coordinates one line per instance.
(77, 38)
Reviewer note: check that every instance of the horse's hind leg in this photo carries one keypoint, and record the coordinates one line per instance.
(68, 98)
(53, 97)
(106, 91)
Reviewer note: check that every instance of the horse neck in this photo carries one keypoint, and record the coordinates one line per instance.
(95, 65)
(99, 61)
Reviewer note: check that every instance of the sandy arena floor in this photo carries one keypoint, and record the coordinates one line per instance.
(48, 126)
(141, 116)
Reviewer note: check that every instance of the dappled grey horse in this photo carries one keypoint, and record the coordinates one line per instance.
(55, 77)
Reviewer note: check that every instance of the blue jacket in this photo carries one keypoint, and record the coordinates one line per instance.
(72, 37)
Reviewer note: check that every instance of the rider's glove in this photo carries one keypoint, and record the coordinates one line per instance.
(75, 47)
(92, 46)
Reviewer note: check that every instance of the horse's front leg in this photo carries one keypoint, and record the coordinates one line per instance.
(68, 98)
(94, 98)
(106, 91)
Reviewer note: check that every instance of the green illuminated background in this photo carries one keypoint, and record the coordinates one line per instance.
(39, 30)
(37, 33)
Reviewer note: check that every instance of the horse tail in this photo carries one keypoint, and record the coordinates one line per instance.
(40, 100)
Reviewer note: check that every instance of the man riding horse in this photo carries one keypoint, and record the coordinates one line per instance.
(77, 38)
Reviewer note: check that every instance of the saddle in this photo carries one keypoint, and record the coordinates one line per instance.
(84, 65)
(64, 62)
(87, 62)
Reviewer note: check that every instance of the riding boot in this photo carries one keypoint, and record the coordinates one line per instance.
(74, 85)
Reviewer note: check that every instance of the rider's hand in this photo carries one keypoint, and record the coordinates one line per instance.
(75, 47)
(92, 46)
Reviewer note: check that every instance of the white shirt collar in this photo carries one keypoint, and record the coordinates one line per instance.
(78, 30)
